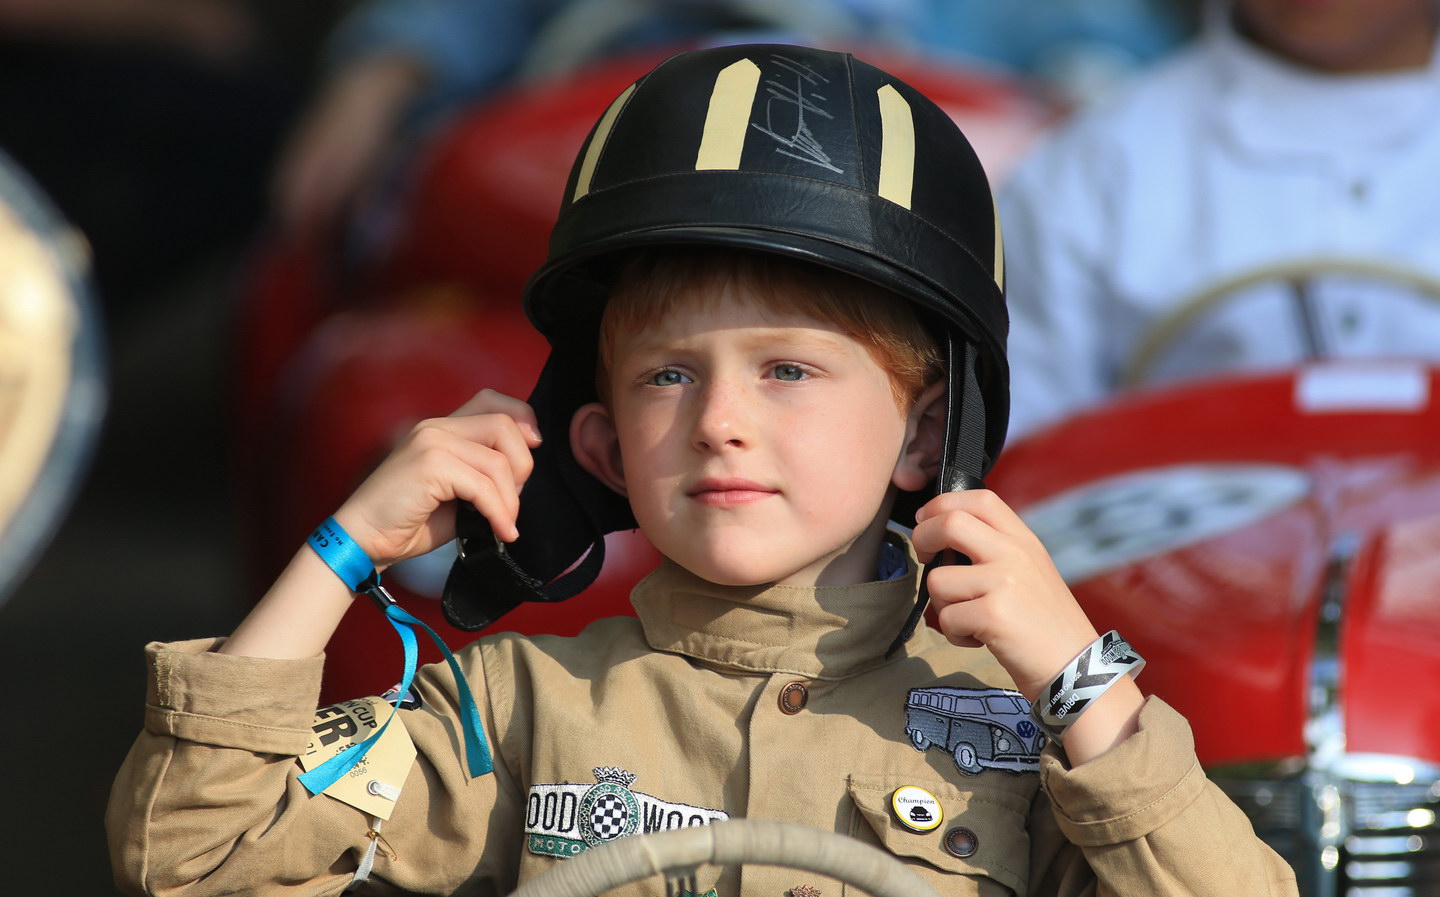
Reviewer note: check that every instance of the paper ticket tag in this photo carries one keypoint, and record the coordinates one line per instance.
(372, 785)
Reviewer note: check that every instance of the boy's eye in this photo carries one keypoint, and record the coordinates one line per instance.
(789, 372)
(667, 378)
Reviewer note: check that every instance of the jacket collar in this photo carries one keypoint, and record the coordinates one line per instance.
(824, 632)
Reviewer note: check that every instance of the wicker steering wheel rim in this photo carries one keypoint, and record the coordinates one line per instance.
(676, 853)
(1163, 334)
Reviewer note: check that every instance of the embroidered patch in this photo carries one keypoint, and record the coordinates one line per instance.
(565, 819)
(980, 729)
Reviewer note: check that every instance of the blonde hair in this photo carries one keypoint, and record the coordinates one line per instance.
(653, 283)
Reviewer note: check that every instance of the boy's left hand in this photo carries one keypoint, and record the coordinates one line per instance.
(1009, 598)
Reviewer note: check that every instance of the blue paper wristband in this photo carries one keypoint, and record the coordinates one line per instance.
(341, 554)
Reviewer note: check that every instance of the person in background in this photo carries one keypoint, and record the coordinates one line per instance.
(1289, 131)
(397, 69)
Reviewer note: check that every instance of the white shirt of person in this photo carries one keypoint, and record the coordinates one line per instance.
(1222, 160)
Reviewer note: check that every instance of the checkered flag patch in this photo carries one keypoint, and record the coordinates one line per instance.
(609, 817)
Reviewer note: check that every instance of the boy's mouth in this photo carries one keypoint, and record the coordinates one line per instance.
(729, 491)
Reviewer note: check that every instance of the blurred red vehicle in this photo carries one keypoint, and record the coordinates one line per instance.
(1272, 544)
(1273, 540)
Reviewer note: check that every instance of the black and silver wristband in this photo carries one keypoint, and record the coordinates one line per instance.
(1083, 680)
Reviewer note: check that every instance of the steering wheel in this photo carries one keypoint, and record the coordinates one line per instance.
(1163, 334)
(582, 30)
(675, 854)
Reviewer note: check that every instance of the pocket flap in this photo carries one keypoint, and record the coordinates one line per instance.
(994, 819)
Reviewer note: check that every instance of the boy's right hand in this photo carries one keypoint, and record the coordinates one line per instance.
(480, 454)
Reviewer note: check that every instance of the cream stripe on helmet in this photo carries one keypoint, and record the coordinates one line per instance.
(897, 147)
(727, 120)
(597, 143)
(999, 247)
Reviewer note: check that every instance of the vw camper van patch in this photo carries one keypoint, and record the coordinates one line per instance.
(980, 729)
(566, 819)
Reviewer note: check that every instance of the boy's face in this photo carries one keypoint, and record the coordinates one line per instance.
(754, 447)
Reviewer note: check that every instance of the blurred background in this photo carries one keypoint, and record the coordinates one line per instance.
(284, 229)
(151, 127)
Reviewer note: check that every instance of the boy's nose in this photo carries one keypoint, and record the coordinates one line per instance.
(720, 420)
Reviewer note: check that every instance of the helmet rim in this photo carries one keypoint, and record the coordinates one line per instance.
(896, 249)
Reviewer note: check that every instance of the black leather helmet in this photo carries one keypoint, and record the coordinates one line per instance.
(810, 154)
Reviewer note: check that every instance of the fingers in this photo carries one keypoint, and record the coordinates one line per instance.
(484, 459)
(404, 507)
(478, 480)
(488, 401)
(1010, 599)
(976, 523)
(960, 584)
(962, 526)
(981, 503)
(1022, 612)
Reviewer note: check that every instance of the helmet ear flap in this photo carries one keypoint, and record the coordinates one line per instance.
(483, 567)
(565, 511)
(963, 461)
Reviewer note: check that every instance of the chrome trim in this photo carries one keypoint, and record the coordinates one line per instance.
(1325, 722)
(1325, 718)
(1388, 807)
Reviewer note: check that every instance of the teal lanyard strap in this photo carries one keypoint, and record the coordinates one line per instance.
(477, 751)
(353, 566)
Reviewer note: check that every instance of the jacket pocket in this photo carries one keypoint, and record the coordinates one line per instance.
(993, 844)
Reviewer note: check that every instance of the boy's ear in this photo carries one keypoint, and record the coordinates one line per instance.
(919, 461)
(596, 445)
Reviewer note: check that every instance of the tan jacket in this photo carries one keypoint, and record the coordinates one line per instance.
(676, 719)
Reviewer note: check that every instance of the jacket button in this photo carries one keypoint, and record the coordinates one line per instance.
(794, 697)
(961, 842)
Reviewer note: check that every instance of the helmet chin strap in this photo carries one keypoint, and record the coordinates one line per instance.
(961, 459)
(486, 582)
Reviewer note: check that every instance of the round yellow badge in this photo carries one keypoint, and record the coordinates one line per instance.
(917, 809)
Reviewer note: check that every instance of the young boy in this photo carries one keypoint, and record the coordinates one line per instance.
(804, 325)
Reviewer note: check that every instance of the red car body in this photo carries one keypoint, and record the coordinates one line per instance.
(1271, 545)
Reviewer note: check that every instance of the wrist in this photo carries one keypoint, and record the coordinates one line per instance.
(366, 537)
(1114, 717)
(297, 615)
